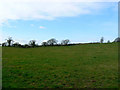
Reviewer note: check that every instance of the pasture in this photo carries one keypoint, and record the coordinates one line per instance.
(78, 66)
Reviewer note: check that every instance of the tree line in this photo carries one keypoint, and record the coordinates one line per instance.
(51, 42)
(32, 43)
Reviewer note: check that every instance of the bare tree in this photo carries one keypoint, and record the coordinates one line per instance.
(52, 42)
(101, 40)
(9, 41)
(32, 43)
(65, 42)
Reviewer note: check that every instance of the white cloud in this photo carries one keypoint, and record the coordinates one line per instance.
(44, 40)
(41, 27)
(21, 41)
(46, 9)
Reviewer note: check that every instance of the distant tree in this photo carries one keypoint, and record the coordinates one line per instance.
(101, 40)
(19, 45)
(16, 44)
(108, 41)
(32, 43)
(26, 46)
(52, 42)
(117, 39)
(65, 42)
(37, 45)
(4, 44)
(9, 41)
(44, 44)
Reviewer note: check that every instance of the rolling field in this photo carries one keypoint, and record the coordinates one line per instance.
(79, 66)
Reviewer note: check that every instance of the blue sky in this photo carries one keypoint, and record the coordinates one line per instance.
(79, 22)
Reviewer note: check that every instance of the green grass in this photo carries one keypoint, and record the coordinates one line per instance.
(79, 66)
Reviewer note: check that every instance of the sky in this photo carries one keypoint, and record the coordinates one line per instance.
(41, 20)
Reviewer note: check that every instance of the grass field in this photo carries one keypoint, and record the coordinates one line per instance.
(79, 66)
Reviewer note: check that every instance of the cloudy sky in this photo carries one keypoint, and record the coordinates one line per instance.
(79, 21)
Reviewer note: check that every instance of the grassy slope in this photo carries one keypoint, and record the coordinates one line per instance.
(92, 65)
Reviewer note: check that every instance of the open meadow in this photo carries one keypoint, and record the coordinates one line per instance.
(77, 66)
